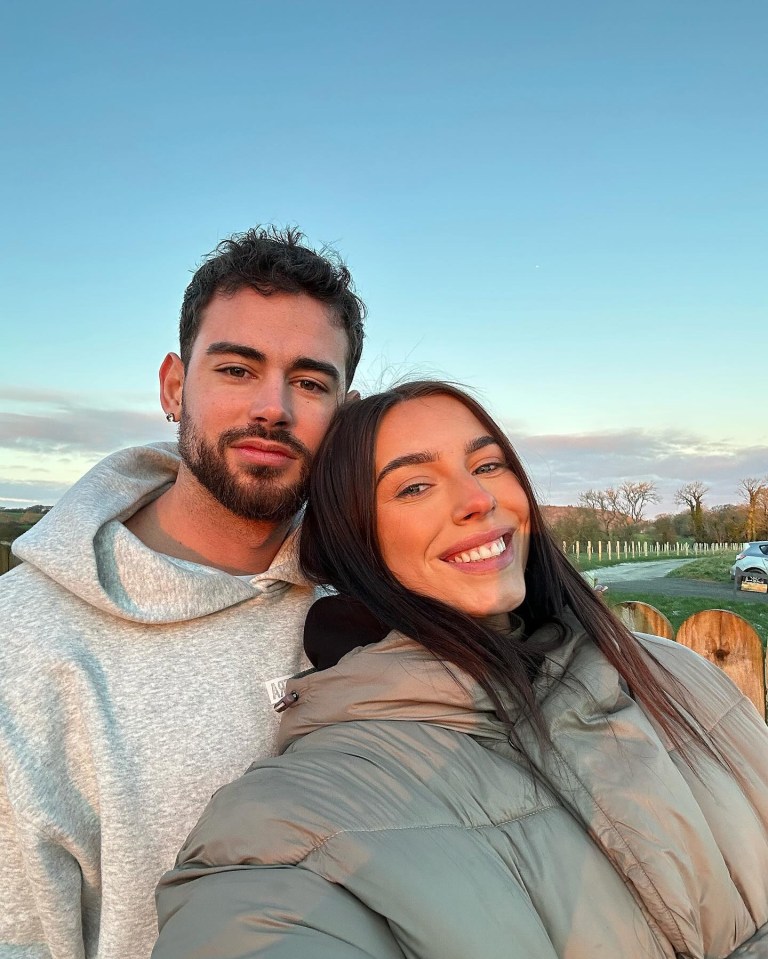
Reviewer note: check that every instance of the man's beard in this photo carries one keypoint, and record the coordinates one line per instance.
(256, 495)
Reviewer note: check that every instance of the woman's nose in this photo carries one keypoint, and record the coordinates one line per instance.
(472, 500)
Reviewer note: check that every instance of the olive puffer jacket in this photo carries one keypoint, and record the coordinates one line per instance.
(399, 822)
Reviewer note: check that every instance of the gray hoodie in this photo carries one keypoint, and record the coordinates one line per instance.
(132, 686)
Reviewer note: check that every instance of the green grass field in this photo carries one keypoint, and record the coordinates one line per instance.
(710, 569)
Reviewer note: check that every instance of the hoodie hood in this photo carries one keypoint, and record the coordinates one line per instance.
(82, 545)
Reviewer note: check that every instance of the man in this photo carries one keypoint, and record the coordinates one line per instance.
(159, 607)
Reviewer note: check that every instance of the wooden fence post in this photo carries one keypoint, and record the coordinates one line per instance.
(732, 644)
(644, 618)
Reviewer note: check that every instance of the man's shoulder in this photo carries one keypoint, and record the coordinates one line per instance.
(19, 584)
(30, 603)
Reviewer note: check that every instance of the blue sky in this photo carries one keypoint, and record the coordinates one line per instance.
(562, 205)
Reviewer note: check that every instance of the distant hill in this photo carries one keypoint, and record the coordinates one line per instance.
(556, 514)
(14, 522)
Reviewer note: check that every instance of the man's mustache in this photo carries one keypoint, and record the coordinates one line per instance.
(258, 432)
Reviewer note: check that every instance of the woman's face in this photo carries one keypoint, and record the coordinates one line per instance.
(452, 519)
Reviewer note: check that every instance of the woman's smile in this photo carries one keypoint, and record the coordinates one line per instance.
(483, 551)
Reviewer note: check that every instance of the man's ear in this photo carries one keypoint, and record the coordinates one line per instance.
(352, 396)
(171, 384)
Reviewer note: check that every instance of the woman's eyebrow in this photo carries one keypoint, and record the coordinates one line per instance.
(478, 443)
(418, 459)
(409, 459)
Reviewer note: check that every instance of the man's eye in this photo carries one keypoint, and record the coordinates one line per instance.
(237, 371)
(311, 386)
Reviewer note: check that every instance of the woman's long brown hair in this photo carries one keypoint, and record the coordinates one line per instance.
(340, 548)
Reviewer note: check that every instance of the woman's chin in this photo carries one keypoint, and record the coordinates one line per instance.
(496, 606)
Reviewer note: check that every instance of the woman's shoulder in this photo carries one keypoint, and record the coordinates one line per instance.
(278, 812)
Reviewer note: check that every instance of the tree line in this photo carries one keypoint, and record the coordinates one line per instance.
(618, 512)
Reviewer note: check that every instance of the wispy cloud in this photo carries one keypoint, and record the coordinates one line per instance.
(48, 421)
(49, 438)
(81, 431)
(562, 466)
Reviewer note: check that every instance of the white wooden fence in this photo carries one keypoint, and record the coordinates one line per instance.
(616, 549)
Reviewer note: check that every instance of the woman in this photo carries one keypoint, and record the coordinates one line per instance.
(484, 762)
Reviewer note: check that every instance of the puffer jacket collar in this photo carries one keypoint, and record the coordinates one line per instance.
(397, 679)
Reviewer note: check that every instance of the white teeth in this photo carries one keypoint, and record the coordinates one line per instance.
(486, 551)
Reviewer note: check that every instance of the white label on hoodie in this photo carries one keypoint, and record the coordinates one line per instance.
(276, 688)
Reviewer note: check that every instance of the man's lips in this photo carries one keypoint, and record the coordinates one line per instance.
(263, 452)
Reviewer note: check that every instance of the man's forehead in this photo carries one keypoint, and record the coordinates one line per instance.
(257, 315)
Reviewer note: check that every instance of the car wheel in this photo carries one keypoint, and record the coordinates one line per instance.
(753, 576)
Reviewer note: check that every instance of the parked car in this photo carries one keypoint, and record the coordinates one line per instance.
(751, 563)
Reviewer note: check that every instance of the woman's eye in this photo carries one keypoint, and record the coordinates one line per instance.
(489, 467)
(413, 490)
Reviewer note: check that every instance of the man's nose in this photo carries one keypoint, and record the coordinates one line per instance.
(473, 500)
(271, 403)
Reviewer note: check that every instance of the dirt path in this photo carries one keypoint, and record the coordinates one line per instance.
(630, 572)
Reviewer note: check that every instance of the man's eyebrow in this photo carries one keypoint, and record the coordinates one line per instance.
(308, 363)
(409, 459)
(238, 349)
(311, 365)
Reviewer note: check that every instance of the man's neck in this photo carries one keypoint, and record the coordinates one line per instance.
(188, 523)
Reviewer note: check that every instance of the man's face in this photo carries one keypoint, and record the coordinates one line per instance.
(265, 375)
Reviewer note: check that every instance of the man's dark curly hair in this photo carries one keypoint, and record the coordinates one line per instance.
(271, 260)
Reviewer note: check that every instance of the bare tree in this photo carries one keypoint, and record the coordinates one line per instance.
(692, 495)
(599, 501)
(623, 505)
(634, 498)
(754, 492)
